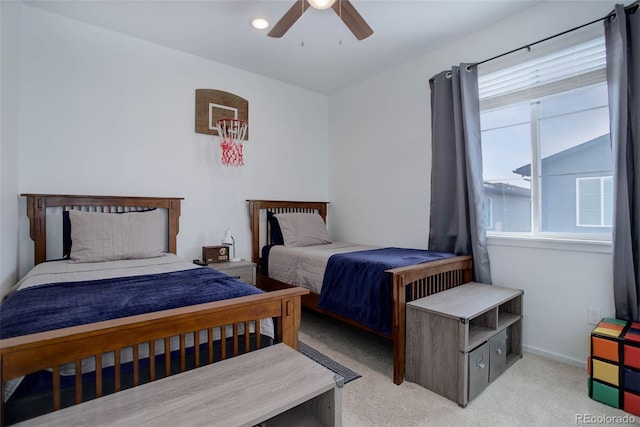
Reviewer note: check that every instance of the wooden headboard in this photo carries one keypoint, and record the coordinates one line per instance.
(37, 205)
(263, 234)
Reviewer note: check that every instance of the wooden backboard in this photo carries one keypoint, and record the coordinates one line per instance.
(213, 105)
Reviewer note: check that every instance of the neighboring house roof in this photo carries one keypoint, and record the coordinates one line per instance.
(565, 154)
(505, 189)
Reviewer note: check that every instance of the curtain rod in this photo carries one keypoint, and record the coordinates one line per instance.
(528, 46)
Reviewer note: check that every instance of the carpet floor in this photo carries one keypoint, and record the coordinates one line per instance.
(535, 391)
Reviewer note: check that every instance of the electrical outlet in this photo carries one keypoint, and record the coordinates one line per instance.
(594, 315)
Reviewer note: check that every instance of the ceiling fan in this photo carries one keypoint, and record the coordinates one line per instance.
(345, 10)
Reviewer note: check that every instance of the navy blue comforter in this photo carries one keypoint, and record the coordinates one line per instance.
(60, 305)
(355, 284)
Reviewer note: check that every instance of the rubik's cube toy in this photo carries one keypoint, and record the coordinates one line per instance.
(614, 364)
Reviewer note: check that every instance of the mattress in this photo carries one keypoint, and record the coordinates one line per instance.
(305, 266)
(351, 280)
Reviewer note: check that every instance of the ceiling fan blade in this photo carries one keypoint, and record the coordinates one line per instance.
(352, 19)
(289, 18)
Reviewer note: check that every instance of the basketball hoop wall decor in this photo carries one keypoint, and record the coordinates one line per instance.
(227, 116)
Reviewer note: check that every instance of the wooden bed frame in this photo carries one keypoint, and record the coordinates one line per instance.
(422, 279)
(31, 353)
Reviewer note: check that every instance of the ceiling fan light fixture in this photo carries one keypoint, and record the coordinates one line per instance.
(321, 4)
(260, 23)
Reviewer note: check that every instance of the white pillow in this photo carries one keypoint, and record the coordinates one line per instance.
(100, 237)
(303, 229)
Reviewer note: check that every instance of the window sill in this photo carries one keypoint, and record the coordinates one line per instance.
(553, 243)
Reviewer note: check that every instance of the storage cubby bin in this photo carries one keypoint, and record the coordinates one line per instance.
(613, 364)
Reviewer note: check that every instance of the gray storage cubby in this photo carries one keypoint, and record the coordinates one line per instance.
(460, 340)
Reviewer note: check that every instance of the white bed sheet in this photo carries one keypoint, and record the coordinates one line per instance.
(68, 271)
(305, 266)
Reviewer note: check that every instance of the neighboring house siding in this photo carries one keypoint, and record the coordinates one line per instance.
(559, 174)
(510, 207)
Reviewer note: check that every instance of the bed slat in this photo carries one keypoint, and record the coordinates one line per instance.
(98, 359)
(258, 332)
(235, 339)
(247, 336)
(167, 360)
(183, 356)
(210, 344)
(152, 360)
(196, 345)
(136, 365)
(117, 369)
(56, 387)
(223, 338)
(78, 376)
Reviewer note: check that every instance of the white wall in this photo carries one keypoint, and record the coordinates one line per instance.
(380, 144)
(104, 113)
(10, 13)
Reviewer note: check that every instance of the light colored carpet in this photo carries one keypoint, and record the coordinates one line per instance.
(535, 391)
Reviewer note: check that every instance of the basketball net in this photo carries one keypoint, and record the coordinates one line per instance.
(231, 132)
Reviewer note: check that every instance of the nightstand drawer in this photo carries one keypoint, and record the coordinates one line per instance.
(244, 271)
(245, 274)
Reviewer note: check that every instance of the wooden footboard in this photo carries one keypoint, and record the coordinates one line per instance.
(49, 350)
(408, 283)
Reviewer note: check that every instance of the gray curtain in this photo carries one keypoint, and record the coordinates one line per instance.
(622, 36)
(458, 216)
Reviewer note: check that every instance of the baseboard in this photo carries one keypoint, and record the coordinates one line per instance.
(564, 359)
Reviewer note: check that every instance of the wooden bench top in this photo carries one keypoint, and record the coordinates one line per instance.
(244, 390)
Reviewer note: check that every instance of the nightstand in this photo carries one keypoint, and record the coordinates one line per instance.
(243, 270)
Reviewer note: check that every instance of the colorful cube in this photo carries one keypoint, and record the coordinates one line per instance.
(614, 364)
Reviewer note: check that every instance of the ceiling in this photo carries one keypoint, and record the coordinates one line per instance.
(220, 30)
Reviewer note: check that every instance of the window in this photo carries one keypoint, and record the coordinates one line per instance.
(594, 201)
(546, 150)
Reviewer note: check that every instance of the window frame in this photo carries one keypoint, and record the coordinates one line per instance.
(593, 77)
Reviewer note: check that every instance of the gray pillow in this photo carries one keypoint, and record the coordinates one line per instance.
(100, 237)
(303, 229)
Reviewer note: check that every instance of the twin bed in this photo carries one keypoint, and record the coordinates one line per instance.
(391, 276)
(105, 320)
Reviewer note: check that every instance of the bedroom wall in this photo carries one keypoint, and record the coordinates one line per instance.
(104, 113)
(9, 137)
(380, 144)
